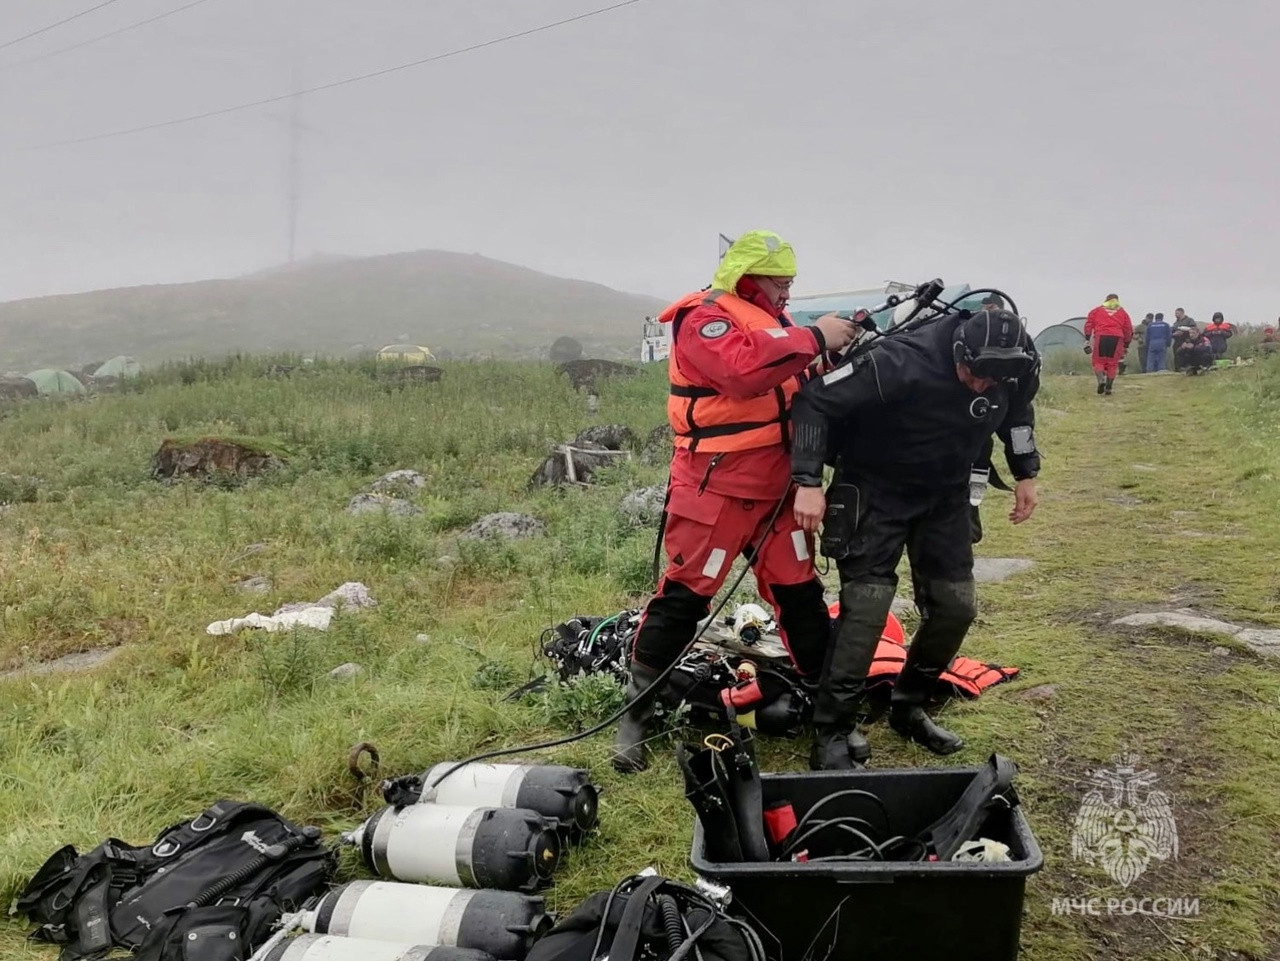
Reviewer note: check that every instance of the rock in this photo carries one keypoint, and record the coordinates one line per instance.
(446, 560)
(399, 482)
(344, 671)
(79, 661)
(350, 595)
(15, 388)
(588, 373)
(1145, 467)
(1125, 500)
(644, 505)
(1042, 692)
(658, 446)
(211, 457)
(554, 471)
(374, 503)
(903, 607)
(1221, 652)
(1261, 639)
(1185, 619)
(504, 524)
(423, 638)
(608, 436)
(565, 350)
(990, 570)
(255, 585)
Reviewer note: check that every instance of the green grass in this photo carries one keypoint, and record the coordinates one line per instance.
(95, 554)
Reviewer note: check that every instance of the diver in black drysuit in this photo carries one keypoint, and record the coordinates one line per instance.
(905, 422)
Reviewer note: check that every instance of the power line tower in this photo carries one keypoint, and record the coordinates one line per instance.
(295, 128)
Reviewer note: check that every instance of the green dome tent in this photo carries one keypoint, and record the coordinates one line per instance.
(50, 381)
(120, 366)
(1057, 337)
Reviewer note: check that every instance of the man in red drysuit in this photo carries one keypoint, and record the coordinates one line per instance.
(1111, 331)
(736, 361)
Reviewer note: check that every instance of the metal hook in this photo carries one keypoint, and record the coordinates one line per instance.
(353, 760)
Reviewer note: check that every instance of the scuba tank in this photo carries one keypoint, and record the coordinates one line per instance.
(323, 947)
(456, 845)
(503, 924)
(563, 794)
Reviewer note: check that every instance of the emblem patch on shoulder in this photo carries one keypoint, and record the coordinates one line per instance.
(714, 328)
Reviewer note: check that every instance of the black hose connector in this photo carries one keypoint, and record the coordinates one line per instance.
(672, 921)
(216, 890)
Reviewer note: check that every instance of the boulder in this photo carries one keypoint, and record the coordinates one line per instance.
(658, 446)
(565, 349)
(644, 505)
(506, 525)
(399, 482)
(588, 373)
(375, 503)
(608, 436)
(210, 457)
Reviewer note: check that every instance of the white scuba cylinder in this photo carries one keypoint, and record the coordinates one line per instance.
(564, 794)
(325, 947)
(501, 923)
(460, 846)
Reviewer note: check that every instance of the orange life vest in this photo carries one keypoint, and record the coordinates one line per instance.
(967, 677)
(704, 419)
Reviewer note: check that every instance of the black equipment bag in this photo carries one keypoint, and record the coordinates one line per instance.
(991, 790)
(207, 889)
(648, 919)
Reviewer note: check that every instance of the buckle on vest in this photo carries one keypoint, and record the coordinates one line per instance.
(166, 849)
(196, 827)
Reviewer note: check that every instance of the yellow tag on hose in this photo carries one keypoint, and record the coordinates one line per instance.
(748, 720)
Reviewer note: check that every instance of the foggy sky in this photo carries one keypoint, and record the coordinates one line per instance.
(1059, 151)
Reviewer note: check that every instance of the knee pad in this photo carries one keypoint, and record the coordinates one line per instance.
(867, 601)
(950, 603)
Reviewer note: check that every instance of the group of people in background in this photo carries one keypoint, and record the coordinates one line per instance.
(1109, 332)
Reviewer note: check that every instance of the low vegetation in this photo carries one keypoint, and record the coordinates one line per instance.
(1161, 496)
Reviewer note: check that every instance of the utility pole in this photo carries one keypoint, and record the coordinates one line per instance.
(295, 134)
(295, 129)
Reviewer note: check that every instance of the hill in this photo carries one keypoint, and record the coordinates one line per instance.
(456, 304)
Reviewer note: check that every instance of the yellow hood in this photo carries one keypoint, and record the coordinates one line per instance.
(759, 252)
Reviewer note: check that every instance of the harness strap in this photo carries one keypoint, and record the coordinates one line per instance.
(626, 939)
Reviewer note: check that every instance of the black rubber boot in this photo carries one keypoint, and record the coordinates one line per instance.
(911, 721)
(1110, 384)
(837, 745)
(630, 755)
(1101, 387)
(947, 609)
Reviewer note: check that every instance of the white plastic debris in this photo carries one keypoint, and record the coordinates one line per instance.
(314, 614)
(983, 849)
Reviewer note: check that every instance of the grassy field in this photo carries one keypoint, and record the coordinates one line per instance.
(1161, 496)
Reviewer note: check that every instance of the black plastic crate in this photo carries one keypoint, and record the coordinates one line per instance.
(883, 910)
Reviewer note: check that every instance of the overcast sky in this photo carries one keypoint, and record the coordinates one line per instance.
(1061, 151)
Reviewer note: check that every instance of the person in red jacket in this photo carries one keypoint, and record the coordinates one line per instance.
(736, 361)
(1111, 331)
